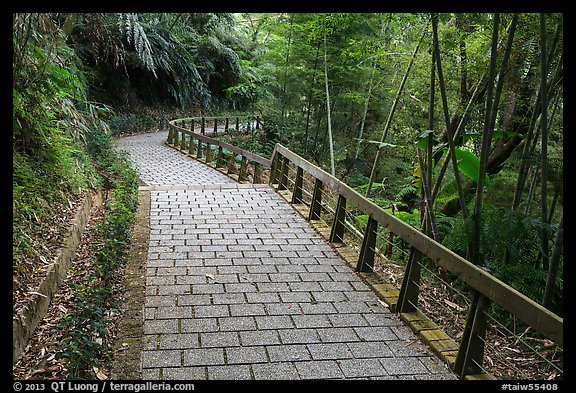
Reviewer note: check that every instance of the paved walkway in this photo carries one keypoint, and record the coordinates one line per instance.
(239, 286)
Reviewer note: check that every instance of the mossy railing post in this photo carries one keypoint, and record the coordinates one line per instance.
(297, 194)
(242, 173)
(237, 123)
(257, 179)
(208, 153)
(367, 252)
(226, 125)
(471, 351)
(408, 296)
(203, 126)
(191, 146)
(170, 135)
(220, 157)
(257, 122)
(183, 141)
(337, 231)
(199, 149)
(232, 164)
(215, 125)
(174, 136)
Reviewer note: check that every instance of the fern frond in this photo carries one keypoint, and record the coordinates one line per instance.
(136, 36)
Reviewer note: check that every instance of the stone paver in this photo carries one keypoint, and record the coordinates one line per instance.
(239, 286)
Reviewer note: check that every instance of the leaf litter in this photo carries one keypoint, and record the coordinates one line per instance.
(39, 360)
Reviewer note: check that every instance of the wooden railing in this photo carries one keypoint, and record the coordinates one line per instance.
(467, 357)
(287, 171)
(196, 142)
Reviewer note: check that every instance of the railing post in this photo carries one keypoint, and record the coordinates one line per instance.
(257, 122)
(174, 136)
(191, 145)
(316, 204)
(183, 141)
(274, 169)
(242, 172)
(226, 125)
(366, 257)
(203, 126)
(257, 174)
(337, 232)
(170, 135)
(208, 153)
(232, 164)
(471, 351)
(283, 184)
(237, 123)
(297, 194)
(219, 157)
(408, 296)
(199, 149)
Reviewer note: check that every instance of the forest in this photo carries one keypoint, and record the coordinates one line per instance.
(453, 122)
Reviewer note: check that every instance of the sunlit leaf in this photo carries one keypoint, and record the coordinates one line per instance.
(469, 164)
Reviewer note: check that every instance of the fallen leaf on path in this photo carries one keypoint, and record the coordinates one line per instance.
(45, 370)
(99, 373)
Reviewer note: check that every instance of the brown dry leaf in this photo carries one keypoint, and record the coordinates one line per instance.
(453, 305)
(101, 376)
(45, 370)
(99, 373)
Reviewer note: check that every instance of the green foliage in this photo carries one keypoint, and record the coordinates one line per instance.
(507, 232)
(248, 90)
(86, 325)
(186, 59)
(62, 147)
(85, 328)
(469, 164)
(50, 122)
(131, 123)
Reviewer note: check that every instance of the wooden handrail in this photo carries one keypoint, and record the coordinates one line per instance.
(529, 311)
(215, 142)
(485, 285)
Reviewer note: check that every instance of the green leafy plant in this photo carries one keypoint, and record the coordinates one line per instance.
(469, 164)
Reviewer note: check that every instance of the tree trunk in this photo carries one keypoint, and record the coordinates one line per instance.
(309, 106)
(544, 147)
(554, 264)
(450, 138)
(519, 124)
(486, 143)
(330, 141)
(391, 114)
(363, 122)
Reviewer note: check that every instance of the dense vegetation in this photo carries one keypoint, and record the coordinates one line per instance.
(390, 103)
(378, 90)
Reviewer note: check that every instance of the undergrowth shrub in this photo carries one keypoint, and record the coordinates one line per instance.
(86, 327)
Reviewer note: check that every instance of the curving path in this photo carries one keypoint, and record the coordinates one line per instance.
(239, 286)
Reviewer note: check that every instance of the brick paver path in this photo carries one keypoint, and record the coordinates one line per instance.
(239, 286)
